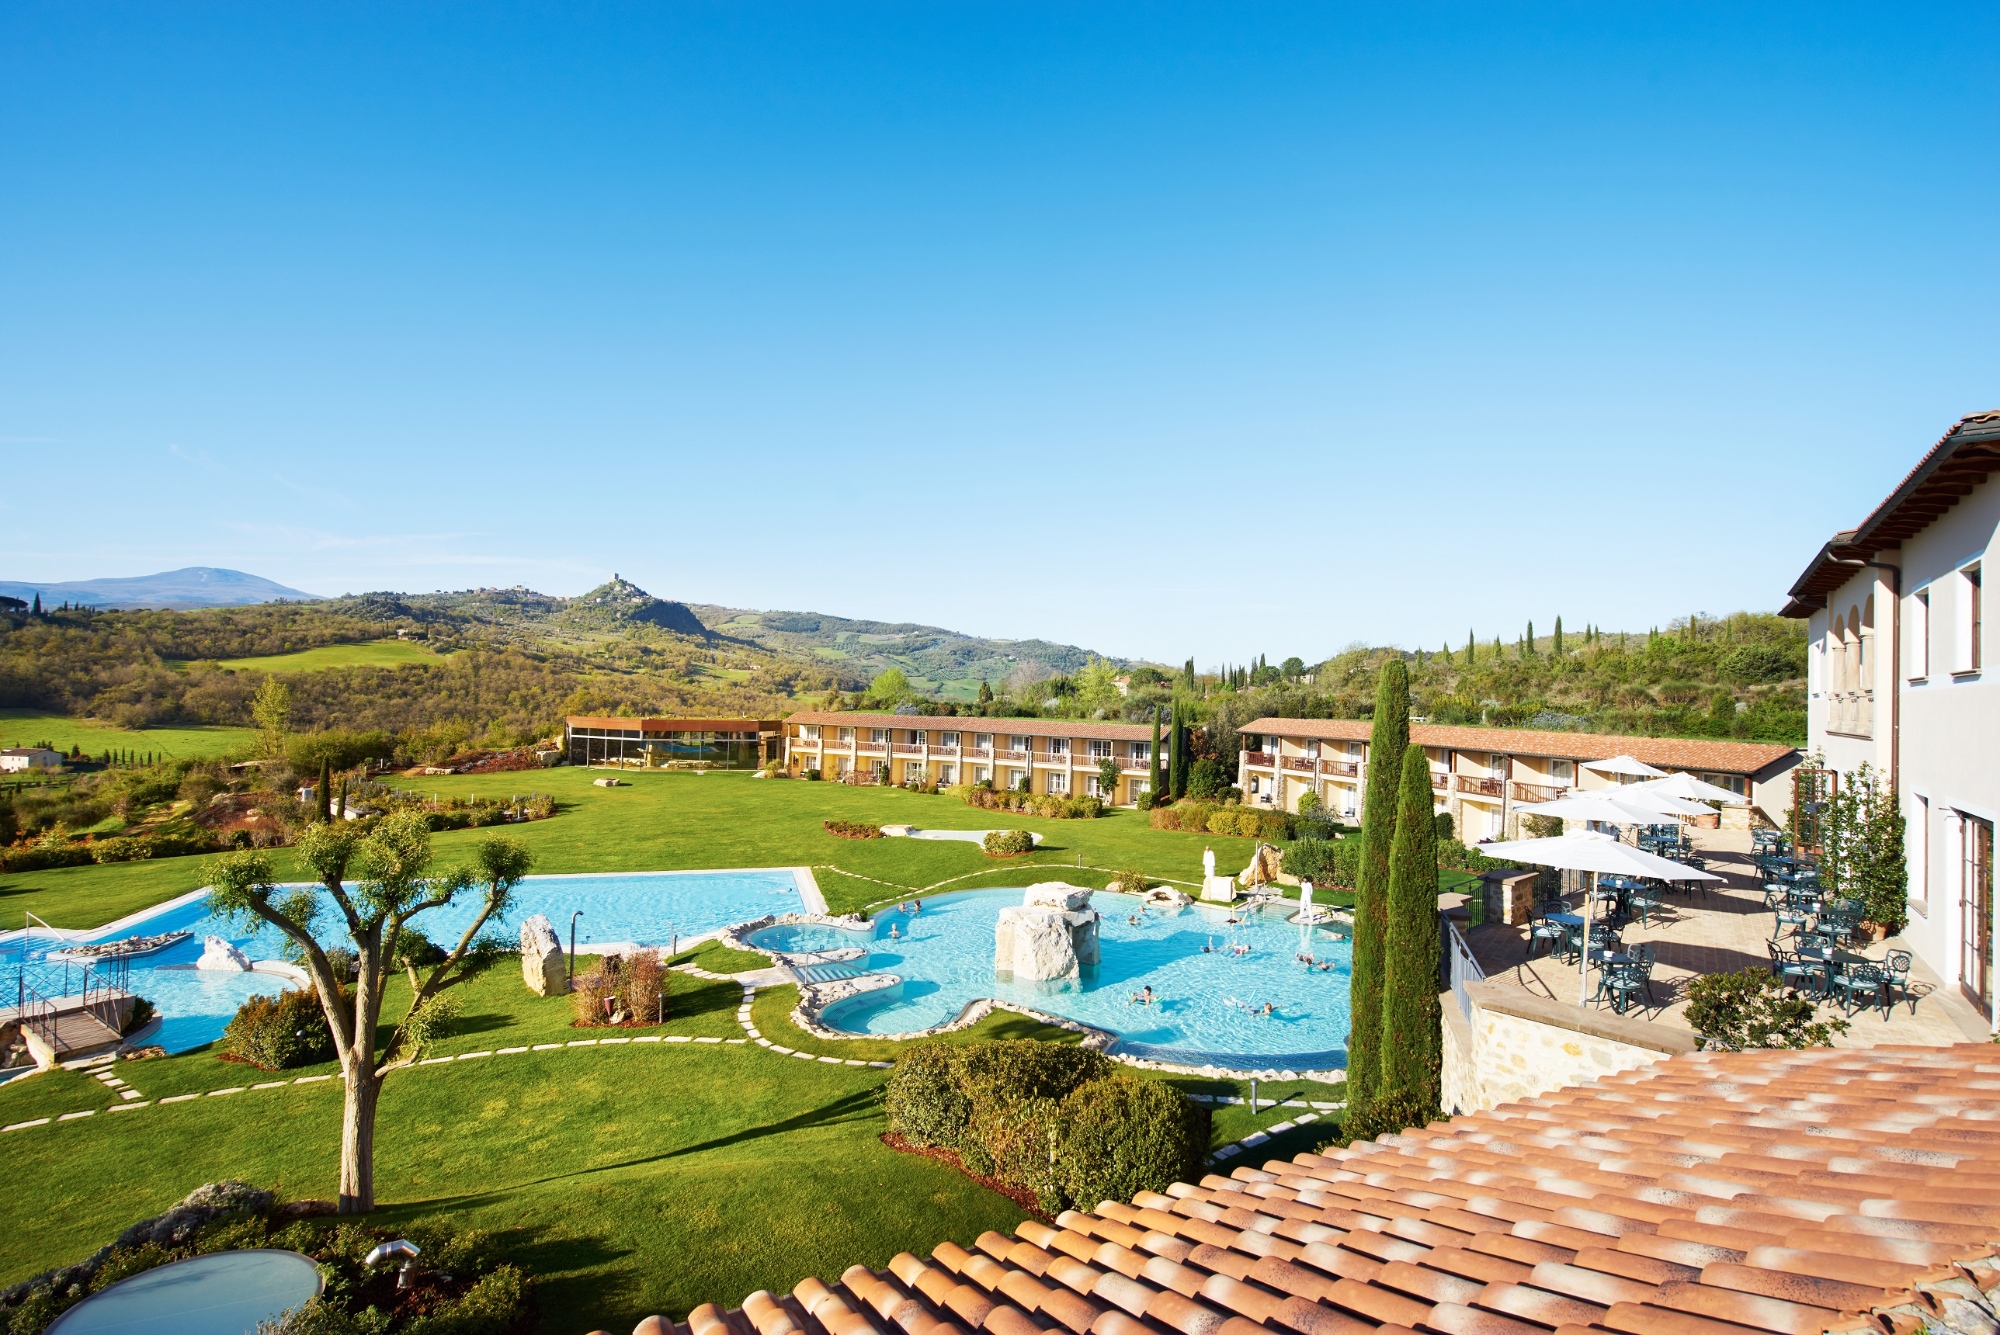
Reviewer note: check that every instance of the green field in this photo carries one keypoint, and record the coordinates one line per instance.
(376, 653)
(682, 821)
(32, 727)
(631, 1180)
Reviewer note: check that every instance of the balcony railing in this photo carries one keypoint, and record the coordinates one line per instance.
(1262, 759)
(1303, 763)
(1096, 757)
(1478, 787)
(1016, 756)
(944, 753)
(1538, 792)
(1341, 769)
(979, 753)
(1052, 757)
(1851, 713)
(871, 749)
(904, 749)
(1440, 781)
(804, 740)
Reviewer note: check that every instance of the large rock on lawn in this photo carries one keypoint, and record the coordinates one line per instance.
(542, 966)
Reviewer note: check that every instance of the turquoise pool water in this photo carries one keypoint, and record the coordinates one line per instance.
(806, 938)
(650, 908)
(1210, 978)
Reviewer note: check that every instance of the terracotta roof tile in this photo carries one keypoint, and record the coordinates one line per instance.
(1709, 1194)
(1668, 752)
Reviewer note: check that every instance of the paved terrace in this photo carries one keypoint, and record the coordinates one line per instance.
(1724, 930)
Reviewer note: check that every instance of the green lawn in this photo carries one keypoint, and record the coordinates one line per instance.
(32, 727)
(375, 653)
(679, 821)
(632, 1179)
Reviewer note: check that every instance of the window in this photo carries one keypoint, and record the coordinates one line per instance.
(1256, 785)
(1735, 783)
(1563, 771)
(1920, 635)
(1058, 746)
(984, 741)
(916, 737)
(1094, 788)
(1919, 845)
(1975, 903)
(1498, 769)
(947, 739)
(1020, 743)
(1100, 750)
(913, 772)
(809, 731)
(879, 736)
(1142, 751)
(846, 735)
(1058, 781)
(1975, 621)
(1017, 778)
(947, 775)
(980, 774)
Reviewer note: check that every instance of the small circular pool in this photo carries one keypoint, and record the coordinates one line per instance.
(223, 1293)
(1213, 969)
(802, 938)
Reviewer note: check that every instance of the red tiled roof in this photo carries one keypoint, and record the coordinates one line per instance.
(1962, 459)
(1020, 727)
(1664, 752)
(1709, 1194)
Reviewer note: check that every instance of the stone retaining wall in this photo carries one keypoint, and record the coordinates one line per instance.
(1516, 1046)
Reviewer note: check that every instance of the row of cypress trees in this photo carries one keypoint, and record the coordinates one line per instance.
(1395, 1043)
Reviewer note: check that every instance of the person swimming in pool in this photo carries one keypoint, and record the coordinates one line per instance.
(894, 935)
(1269, 1009)
(1143, 997)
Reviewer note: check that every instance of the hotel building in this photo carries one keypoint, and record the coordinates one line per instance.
(651, 743)
(1052, 756)
(1896, 679)
(1480, 775)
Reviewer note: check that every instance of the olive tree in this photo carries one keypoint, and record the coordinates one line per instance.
(377, 883)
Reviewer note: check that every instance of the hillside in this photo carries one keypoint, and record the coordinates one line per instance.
(194, 586)
(947, 664)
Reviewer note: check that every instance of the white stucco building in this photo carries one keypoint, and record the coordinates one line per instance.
(1898, 678)
(18, 759)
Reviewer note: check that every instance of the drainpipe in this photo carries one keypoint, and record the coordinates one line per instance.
(1895, 665)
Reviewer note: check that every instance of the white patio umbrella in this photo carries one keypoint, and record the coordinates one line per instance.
(1615, 808)
(1594, 853)
(1625, 765)
(1685, 786)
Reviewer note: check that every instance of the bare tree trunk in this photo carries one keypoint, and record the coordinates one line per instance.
(357, 1138)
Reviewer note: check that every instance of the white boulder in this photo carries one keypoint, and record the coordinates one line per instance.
(1219, 889)
(1034, 943)
(218, 955)
(1057, 895)
(1165, 896)
(541, 956)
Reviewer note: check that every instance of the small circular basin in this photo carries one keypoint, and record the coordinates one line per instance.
(223, 1293)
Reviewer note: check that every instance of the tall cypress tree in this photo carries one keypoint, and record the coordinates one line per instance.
(1153, 771)
(1558, 646)
(1528, 651)
(1412, 1027)
(325, 794)
(1387, 741)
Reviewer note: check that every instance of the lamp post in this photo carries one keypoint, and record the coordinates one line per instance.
(570, 963)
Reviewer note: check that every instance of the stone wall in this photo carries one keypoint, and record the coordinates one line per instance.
(1515, 1046)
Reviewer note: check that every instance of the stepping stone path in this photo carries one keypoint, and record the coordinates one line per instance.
(104, 1069)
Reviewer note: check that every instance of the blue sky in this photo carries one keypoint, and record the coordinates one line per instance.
(1162, 329)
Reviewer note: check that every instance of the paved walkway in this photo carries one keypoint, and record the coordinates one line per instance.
(1724, 930)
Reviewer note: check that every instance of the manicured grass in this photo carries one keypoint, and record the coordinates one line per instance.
(678, 821)
(376, 653)
(32, 727)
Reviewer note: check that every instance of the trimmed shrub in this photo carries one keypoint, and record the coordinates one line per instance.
(1122, 1135)
(1008, 843)
(847, 829)
(1311, 859)
(923, 1098)
(1222, 821)
(1207, 778)
(281, 1032)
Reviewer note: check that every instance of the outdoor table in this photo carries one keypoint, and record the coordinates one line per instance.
(1836, 960)
(1572, 925)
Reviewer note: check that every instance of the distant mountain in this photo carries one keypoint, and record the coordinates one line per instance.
(949, 662)
(195, 586)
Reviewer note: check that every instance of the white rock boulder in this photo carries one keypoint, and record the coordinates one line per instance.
(1034, 943)
(1165, 896)
(542, 966)
(218, 955)
(1057, 895)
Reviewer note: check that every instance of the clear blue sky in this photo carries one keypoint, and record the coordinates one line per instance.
(1162, 329)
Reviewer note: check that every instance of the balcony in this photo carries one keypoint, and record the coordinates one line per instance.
(905, 749)
(944, 753)
(1538, 792)
(979, 753)
(1851, 713)
(803, 740)
(1304, 764)
(1478, 787)
(871, 749)
(1341, 769)
(1439, 781)
(1017, 757)
(1052, 758)
(1261, 759)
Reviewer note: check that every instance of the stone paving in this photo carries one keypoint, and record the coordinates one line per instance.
(1723, 929)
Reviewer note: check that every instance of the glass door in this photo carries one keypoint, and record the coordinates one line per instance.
(1976, 912)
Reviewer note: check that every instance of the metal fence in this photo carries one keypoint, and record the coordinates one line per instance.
(1461, 965)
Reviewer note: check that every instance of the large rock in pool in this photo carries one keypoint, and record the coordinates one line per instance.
(218, 955)
(1057, 895)
(542, 957)
(1034, 943)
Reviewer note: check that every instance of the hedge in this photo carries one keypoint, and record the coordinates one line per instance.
(1058, 1120)
(1052, 806)
(281, 1032)
(1208, 818)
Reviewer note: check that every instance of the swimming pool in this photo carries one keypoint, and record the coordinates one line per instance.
(1209, 978)
(646, 908)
